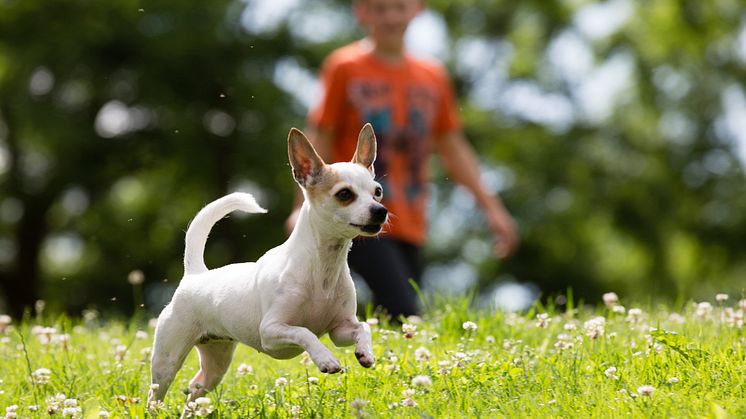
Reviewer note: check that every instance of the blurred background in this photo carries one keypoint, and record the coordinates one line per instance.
(615, 131)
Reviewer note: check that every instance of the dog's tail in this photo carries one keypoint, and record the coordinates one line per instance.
(199, 228)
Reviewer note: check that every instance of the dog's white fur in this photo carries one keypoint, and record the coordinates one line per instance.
(293, 294)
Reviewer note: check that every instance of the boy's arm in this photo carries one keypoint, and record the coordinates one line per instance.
(461, 163)
(322, 142)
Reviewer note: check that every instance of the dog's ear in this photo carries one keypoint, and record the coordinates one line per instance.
(304, 160)
(366, 148)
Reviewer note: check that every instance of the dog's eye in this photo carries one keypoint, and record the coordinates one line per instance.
(379, 192)
(345, 195)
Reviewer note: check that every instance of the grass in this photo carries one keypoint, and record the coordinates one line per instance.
(587, 362)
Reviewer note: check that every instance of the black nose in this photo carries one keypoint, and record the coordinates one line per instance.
(378, 214)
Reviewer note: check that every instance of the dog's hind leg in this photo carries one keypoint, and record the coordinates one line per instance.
(214, 359)
(172, 343)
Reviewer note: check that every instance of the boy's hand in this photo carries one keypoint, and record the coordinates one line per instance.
(504, 228)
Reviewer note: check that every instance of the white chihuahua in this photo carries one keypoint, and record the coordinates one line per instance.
(293, 294)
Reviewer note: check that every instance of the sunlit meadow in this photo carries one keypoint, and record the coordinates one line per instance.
(457, 361)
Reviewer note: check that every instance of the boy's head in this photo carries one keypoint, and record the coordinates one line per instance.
(386, 21)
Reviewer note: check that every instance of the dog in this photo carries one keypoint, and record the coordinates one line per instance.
(294, 293)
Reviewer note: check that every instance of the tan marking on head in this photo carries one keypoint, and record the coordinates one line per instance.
(325, 182)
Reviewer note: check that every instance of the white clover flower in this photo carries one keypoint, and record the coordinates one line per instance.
(704, 309)
(594, 328)
(244, 369)
(372, 321)
(634, 315)
(103, 414)
(618, 309)
(10, 412)
(141, 335)
(490, 339)
(610, 299)
(281, 382)
(409, 402)
(313, 380)
(742, 304)
(153, 322)
(611, 373)
(543, 320)
(721, 297)
(407, 392)
(469, 326)
(570, 326)
(673, 380)
(409, 330)
(421, 354)
(358, 404)
(295, 410)
(70, 403)
(5, 321)
(203, 406)
(41, 376)
(645, 390)
(422, 381)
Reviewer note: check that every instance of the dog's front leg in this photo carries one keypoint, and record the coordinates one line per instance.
(354, 332)
(277, 337)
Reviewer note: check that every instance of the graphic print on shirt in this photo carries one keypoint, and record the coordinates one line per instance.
(402, 147)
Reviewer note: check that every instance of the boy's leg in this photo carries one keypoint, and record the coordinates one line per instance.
(386, 269)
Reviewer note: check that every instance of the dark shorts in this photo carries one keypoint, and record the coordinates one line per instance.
(387, 265)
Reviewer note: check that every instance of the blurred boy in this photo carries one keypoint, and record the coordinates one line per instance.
(412, 108)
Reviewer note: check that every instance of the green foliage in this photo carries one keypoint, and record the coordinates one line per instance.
(646, 198)
(580, 363)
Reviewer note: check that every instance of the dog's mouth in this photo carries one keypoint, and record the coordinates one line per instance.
(368, 228)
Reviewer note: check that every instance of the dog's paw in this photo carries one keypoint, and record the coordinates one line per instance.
(329, 365)
(365, 359)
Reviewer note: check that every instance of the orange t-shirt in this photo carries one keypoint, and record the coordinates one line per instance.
(410, 105)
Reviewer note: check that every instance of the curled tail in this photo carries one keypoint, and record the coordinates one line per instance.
(199, 228)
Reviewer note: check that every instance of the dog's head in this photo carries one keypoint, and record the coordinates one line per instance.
(343, 196)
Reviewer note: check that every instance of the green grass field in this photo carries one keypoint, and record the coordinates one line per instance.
(455, 362)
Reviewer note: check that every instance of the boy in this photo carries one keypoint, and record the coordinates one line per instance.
(412, 108)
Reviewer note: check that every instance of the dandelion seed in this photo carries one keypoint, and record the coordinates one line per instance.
(610, 299)
(244, 369)
(645, 390)
(136, 277)
(281, 382)
(422, 381)
(721, 297)
(469, 326)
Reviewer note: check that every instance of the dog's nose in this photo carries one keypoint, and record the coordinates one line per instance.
(378, 214)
